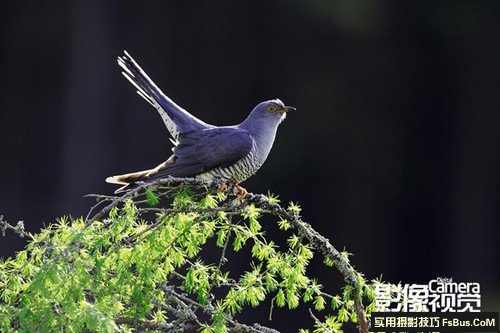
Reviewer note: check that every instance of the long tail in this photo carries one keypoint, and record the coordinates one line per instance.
(176, 119)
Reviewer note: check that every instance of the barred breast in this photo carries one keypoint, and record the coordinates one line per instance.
(238, 172)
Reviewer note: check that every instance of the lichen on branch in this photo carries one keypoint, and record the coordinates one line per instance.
(137, 263)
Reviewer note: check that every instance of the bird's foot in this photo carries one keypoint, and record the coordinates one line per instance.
(223, 186)
(242, 193)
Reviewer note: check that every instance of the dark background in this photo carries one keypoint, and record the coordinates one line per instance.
(393, 154)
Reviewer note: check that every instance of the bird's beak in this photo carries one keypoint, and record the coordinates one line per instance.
(288, 109)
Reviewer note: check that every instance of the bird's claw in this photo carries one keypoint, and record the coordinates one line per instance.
(223, 186)
(242, 192)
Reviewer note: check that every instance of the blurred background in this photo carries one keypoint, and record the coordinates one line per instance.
(394, 153)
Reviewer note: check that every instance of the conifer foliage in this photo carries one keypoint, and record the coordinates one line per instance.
(141, 263)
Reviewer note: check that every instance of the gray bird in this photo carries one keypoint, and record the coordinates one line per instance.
(229, 153)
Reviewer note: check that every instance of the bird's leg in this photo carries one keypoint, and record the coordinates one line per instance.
(241, 192)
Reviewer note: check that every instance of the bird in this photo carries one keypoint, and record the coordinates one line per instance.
(227, 153)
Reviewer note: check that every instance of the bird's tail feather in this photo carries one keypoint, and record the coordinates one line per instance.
(136, 75)
(176, 119)
(127, 179)
(148, 90)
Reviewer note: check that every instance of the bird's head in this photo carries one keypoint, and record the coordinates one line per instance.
(273, 111)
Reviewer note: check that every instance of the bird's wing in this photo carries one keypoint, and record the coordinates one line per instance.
(196, 153)
(176, 119)
(201, 151)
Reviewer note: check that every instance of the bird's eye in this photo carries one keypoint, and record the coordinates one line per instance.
(271, 108)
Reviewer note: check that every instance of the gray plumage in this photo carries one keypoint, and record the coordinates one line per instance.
(231, 153)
